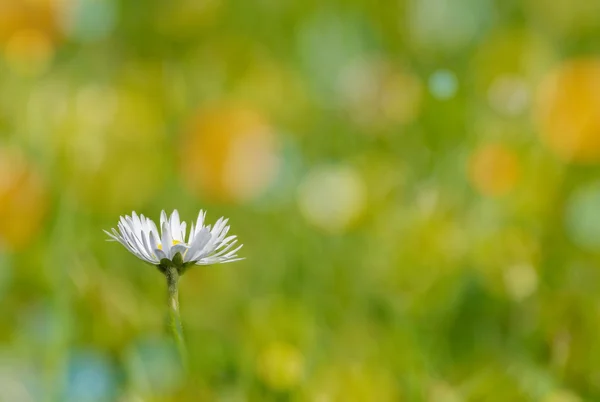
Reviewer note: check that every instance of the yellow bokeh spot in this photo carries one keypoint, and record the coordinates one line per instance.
(332, 198)
(567, 110)
(230, 153)
(280, 366)
(41, 15)
(378, 94)
(493, 169)
(23, 200)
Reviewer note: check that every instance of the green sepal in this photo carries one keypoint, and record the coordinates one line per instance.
(178, 261)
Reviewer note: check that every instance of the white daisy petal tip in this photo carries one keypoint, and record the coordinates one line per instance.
(206, 244)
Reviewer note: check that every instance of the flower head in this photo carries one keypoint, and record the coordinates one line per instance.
(168, 247)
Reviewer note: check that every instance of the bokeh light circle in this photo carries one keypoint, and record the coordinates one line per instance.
(230, 154)
(443, 84)
(23, 200)
(520, 280)
(332, 197)
(567, 110)
(29, 51)
(377, 94)
(509, 95)
(493, 169)
(582, 216)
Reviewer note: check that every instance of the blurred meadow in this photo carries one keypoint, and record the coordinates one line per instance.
(416, 183)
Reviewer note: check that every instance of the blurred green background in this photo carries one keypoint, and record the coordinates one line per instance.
(416, 183)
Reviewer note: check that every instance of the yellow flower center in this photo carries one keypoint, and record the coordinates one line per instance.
(175, 242)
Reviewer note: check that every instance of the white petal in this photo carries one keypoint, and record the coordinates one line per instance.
(178, 248)
(160, 254)
(192, 234)
(149, 248)
(232, 253)
(222, 235)
(209, 261)
(137, 224)
(125, 227)
(152, 226)
(154, 242)
(136, 227)
(134, 242)
(167, 240)
(175, 226)
(233, 260)
(133, 249)
(223, 251)
(183, 231)
(197, 246)
(225, 242)
(136, 237)
(163, 218)
(200, 221)
(112, 236)
(218, 226)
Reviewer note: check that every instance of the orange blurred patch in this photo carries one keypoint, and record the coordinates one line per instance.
(29, 32)
(493, 169)
(17, 15)
(230, 153)
(23, 200)
(568, 110)
(28, 51)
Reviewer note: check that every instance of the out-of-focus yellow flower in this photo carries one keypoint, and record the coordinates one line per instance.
(16, 15)
(230, 153)
(28, 33)
(23, 200)
(493, 169)
(567, 110)
(28, 51)
(281, 366)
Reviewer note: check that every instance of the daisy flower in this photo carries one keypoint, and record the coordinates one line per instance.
(172, 254)
(171, 246)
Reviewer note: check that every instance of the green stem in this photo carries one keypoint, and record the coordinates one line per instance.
(174, 322)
